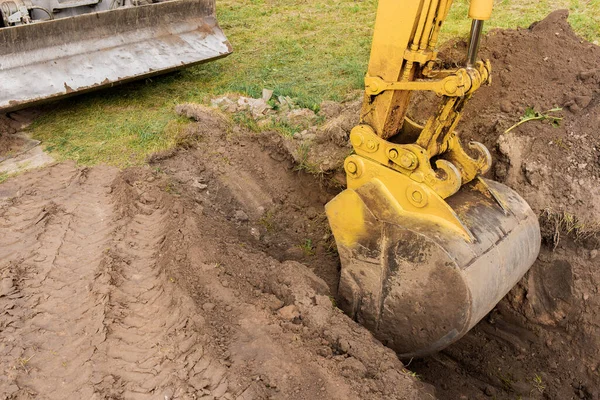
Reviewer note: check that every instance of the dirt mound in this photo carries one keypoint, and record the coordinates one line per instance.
(543, 67)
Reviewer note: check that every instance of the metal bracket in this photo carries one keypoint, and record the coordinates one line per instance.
(457, 83)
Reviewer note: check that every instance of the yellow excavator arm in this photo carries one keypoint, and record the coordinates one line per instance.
(403, 56)
(427, 246)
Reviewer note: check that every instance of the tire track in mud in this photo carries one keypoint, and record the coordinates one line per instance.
(86, 311)
(53, 232)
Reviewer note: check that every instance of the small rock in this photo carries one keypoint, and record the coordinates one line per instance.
(224, 103)
(267, 94)
(344, 345)
(353, 367)
(289, 313)
(241, 216)
(593, 254)
(255, 233)
(258, 107)
(505, 106)
(311, 213)
(228, 308)
(489, 391)
(208, 306)
(274, 303)
(583, 101)
(324, 351)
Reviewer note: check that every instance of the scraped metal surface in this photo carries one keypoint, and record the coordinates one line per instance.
(48, 60)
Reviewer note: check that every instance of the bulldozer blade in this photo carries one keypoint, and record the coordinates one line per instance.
(52, 59)
(417, 285)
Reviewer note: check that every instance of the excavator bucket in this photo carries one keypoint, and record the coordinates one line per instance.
(428, 247)
(55, 48)
(415, 281)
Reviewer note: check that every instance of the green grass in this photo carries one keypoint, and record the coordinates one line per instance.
(308, 50)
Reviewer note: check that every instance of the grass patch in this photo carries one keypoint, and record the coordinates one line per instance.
(555, 224)
(310, 51)
(307, 248)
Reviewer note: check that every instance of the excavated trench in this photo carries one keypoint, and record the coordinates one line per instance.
(212, 272)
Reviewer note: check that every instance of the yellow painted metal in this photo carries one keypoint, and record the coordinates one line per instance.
(403, 60)
(402, 196)
(404, 41)
(457, 83)
(410, 160)
(395, 27)
(481, 9)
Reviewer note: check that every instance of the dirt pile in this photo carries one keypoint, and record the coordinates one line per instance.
(542, 341)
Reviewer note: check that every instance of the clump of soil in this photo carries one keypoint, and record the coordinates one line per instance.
(18, 152)
(9, 142)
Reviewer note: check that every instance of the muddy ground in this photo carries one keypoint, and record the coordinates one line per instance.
(211, 273)
(181, 280)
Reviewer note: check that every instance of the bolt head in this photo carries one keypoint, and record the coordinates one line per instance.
(417, 196)
(356, 139)
(351, 167)
(407, 160)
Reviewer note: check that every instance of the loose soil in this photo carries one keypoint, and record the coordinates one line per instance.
(211, 273)
(181, 280)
